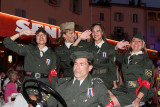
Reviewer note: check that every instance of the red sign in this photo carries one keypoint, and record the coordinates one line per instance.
(10, 25)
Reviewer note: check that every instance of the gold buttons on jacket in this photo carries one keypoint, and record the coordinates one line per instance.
(74, 100)
(85, 100)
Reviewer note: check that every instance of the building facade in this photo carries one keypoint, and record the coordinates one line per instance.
(121, 21)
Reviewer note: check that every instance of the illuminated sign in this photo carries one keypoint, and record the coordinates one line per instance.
(10, 25)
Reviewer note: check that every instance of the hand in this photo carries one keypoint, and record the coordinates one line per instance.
(115, 86)
(27, 32)
(136, 102)
(121, 45)
(85, 35)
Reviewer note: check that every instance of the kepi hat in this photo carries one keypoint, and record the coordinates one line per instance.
(139, 36)
(67, 25)
(81, 54)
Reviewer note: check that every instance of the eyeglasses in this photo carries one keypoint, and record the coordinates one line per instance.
(40, 35)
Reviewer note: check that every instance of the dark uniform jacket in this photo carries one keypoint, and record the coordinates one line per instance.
(79, 97)
(64, 62)
(32, 61)
(140, 66)
(104, 58)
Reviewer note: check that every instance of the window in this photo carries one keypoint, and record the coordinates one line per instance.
(118, 29)
(152, 31)
(20, 12)
(158, 16)
(52, 21)
(134, 18)
(135, 31)
(76, 6)
(102, 16)
(78, 28)
(118, 17)
(53, 2)
(152, 46)
(152, 16)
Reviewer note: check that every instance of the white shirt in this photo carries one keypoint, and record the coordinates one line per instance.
(43, 50)
(81, 81)
(68, 44)
(100, 44)
(140, 52)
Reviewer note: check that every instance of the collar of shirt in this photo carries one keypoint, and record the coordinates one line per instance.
(68, 44)
(81, 81)
(140, 52)
(43, 50)
(100, 44)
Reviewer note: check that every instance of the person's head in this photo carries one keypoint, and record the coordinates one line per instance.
(12, 74)
(41, 37)
(137, 43)
(97, 32)
(3, 74)
(82, 64)
(68, 32)
(158, 62)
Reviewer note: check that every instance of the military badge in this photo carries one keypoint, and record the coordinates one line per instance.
(48, 61)
(90, 92)
(104, 54)
(80, 46)
(148, 72)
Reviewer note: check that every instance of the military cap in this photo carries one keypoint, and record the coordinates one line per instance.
(41, 29)
(67, 25)
(139, 36)
(81, 54)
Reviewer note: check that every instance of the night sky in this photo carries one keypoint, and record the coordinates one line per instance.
(149, 3)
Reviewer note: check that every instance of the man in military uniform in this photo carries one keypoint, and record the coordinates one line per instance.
(83, 90)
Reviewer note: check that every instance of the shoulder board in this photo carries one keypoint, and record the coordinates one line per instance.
(98, 80)
(63, 80)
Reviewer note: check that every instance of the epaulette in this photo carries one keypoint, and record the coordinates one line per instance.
(20, 44)
(63, 80)
(98, 80)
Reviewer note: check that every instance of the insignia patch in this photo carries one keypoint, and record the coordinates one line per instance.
(48, 61)
(80, 46)
(148, 72)
(98, 80)
(131, 83)
(104, 54)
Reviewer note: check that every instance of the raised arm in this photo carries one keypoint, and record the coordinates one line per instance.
(83, 36)
(24, 32)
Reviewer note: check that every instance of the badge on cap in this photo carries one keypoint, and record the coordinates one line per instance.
(104, 54)
(90, 92)
(48, 61)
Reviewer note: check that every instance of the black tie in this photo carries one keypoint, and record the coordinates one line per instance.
(97, 49)
(76, 85)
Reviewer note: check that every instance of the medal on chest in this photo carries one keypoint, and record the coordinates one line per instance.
(90, 92)
(48, 61)
(104, 54)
